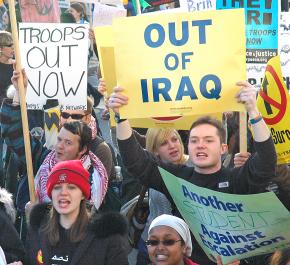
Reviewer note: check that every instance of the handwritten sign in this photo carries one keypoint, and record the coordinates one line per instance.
(104, 14)
(197, 5)
(232, 226)
(55, 59)
(180, 63)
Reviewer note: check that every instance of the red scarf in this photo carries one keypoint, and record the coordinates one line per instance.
(99, 183)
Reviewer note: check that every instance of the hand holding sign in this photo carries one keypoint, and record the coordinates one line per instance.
(219, 262)
(15, 80)
(117, 99)
(247, 96)
(241, 158)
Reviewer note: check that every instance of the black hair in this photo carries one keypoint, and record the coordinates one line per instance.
(67, 17)
(211, 121)
(82, 130)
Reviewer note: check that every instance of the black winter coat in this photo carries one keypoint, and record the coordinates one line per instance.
(105, 243)
(9, 239)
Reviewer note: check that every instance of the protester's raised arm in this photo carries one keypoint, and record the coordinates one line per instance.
(247, 96)
(115, 102)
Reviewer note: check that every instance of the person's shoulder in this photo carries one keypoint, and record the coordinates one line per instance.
(108, 224)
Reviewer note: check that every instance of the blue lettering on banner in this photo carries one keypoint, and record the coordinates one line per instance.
(162, 87)
(222, 243)
(159, 29)
(212, 201)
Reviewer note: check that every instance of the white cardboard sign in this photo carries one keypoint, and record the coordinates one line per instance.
(55, 58)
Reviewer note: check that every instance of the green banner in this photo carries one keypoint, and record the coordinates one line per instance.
(232, 226)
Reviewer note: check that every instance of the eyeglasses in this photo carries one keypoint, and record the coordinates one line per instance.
(166, 242)
(66, 115)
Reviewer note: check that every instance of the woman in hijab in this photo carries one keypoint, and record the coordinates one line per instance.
(169, 242)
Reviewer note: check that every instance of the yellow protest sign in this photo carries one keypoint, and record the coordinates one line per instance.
(180, 63)
(104, 36)
(177, 122)
(273, 103)
(104, 40)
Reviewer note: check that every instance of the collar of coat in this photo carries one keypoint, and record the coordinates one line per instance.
(101, 224)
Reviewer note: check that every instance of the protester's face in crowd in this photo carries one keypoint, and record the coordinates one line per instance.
(205, 148)
(170, 149)
(68, 146)
(7, 52)
(66, 199)
(76, 14)
(74, 115)
(166, 255)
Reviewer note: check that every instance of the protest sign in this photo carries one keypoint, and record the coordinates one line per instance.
(274, 104)
(55, 59)
(39, 11)
(261, 31)
(103, 14)
(197, 5)
(175, 62)
(178, 122)
(261, 27)
(105, 43)
(232, 226)
(284, 46)
(104, 40)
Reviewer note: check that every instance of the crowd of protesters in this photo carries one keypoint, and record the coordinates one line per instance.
(83, 183)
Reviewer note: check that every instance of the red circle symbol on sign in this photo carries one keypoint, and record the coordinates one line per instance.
(280, 106)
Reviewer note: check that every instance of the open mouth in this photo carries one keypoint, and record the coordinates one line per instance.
(63, 203)
(161, 257)
(201, 154)
(174, 153)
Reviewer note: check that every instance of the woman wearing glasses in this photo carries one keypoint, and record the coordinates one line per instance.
(169, 242)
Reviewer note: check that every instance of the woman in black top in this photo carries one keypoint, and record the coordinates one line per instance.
(69, 235)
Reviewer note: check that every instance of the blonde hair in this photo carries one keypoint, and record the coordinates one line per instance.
(5, 38)
(156, 136)
(89, 106)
